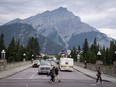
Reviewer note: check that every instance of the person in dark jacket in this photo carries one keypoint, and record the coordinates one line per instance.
(52, 74)
(98, 75)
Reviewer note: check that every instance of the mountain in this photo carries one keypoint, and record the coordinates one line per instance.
(23, 32)
(64, 28)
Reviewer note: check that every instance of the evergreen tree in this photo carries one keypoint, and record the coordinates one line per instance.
(108, 61)
(12, 51)
(32, 47)
(111, 52)
(2, 44)
(74, 54)
(93, 51)
(85, 50)
(19, 51)
(103, 57)
(79, 49)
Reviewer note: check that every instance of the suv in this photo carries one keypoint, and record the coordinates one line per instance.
(44, 67)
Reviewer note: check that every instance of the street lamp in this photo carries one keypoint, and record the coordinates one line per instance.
(24, 56)
(115, 55)
(32, 56)
(99, 54)
(3, 53)
(78, 57)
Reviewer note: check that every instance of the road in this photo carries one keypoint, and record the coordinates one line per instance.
(30, 78)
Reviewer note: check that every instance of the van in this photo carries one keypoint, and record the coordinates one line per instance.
(66, 64)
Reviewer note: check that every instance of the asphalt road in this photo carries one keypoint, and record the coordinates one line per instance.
(30, 78)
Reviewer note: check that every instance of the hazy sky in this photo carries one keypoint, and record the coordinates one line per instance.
(100, 14)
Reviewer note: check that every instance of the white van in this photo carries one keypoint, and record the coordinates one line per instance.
(66, 64)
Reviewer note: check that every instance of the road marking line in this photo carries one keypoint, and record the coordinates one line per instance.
(26, 85)
(33, 75)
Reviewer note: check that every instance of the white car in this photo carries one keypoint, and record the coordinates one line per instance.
(35, 63)
(44, 67)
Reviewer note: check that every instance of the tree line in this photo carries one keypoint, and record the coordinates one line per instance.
(89, 52)
(15, 50)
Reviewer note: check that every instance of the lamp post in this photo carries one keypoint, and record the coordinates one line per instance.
(99, 61)
(24, 55)
(3, 54)
(115, 55)
(78, 57)
(32, 58)
(99, 54)
(32, 55)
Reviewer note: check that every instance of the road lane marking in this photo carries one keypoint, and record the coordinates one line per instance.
(33, 75)
(26, 85)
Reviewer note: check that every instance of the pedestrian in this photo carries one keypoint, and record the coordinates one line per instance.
(98, 75)
(57, 74)
(85, 64)
(52, 75)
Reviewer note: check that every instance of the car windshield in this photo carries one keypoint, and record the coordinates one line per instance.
(45, 63)
(36, 61)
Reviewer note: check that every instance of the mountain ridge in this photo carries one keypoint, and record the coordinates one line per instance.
(64, 28)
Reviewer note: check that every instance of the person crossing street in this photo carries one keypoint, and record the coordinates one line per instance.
(99, 75)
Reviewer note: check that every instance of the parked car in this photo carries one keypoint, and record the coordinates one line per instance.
(35, 63)
(44, 67)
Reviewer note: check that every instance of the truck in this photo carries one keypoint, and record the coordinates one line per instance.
(66, 64)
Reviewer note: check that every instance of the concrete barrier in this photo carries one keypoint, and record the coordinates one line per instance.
(109, 70)
(13, 65)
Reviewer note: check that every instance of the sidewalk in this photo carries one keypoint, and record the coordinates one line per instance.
(92, 74)
(10, 72)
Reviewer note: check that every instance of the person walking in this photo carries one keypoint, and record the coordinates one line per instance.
(99, 75)
(57, 74)
(52, 75)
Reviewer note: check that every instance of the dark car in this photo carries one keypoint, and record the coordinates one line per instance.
(36, 63)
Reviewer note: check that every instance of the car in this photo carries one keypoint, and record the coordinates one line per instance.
(44, 67)
(35, 63)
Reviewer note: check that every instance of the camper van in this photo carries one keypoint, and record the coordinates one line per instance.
(66, 64)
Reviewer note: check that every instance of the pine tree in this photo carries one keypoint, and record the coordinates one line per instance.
(12, 51)
(33, 47)
(108, 61)
(93, 52)
(2, 44)
(85, 50)
(74, 54)
(111, 52)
